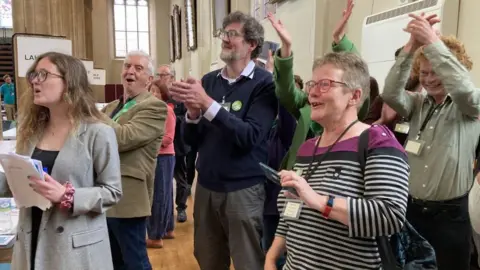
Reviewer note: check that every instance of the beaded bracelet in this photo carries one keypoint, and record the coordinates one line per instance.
(67, 199)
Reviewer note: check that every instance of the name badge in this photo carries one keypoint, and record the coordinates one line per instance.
(414, 147)
(402, 127)
(226, 106)
(292, 209)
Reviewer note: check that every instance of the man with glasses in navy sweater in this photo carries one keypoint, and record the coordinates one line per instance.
(229, 115)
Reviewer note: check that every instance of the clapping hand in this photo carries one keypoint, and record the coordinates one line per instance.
(421, 30)
(192, 94)
(339, 31)
(51, 189)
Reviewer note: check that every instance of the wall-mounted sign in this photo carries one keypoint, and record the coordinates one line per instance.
(89, 67)
(29, 47)
(98, 77)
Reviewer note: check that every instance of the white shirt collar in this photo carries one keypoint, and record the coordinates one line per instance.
(247, 72)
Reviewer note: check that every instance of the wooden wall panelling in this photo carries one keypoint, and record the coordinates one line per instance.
(68, 18)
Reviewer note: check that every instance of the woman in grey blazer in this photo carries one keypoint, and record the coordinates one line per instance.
(59, 125)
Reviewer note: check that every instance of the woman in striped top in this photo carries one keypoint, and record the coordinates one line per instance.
(340, 207)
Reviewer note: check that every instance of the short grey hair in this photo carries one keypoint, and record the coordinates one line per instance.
(355, 70)
(252, 29)
(170, 67)
(150, 67)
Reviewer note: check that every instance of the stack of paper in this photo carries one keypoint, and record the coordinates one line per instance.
(17, 170)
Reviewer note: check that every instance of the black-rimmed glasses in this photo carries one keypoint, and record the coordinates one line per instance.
(324, 85)
(41, 75)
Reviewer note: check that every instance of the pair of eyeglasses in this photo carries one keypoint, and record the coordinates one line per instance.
(323, 85)
(222, 34)
(163, 75)
(41, 75)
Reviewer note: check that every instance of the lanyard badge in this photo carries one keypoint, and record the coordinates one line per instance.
(416, 146)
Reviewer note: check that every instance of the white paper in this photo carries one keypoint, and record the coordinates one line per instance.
(17, 169)
(7, 147)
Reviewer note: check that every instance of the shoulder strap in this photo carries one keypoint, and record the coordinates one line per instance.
(363, 149)
(386, 253)
(477, 158)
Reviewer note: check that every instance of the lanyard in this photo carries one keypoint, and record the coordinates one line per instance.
(234, 88)
(430, 113)
(125, 108)
(310, 169)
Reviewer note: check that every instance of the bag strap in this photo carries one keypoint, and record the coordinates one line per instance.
(389, 262)
(477, 159)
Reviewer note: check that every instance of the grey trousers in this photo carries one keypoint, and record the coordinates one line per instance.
(229, 225)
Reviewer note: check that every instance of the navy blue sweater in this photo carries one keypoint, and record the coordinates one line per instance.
(233, 143)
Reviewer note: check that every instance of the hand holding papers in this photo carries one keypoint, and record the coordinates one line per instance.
(17, 170)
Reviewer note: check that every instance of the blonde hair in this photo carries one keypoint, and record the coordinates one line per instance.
(78, 95)
(455, 46)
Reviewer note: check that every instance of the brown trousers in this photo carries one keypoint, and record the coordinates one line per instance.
(10, 111)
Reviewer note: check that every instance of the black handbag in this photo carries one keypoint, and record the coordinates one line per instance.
(406, 249)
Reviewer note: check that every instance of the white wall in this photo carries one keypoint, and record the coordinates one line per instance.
(299, 18)
(467, 29)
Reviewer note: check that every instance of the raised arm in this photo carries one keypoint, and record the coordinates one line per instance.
(421, 34)
(455, 78)
(107, 189)
(288, 94)
(394, 94)
(340, 41)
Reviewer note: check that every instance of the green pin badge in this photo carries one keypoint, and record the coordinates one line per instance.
(237, 105)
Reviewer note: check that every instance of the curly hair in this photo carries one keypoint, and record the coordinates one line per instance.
(252, 29)
(455, 46)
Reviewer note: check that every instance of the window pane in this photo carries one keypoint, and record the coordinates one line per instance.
(119, 16)
(143, 42)
(142, 3)
(131, 18)
(120, 53)
(142, 18)
(120, 43)
(132, 41)
(120, 2)
(131, 2)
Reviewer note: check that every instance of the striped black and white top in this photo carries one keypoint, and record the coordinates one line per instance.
(377, 203)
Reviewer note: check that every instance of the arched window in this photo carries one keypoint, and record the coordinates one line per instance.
(131, 26)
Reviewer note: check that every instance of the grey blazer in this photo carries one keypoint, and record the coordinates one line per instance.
(79, 239)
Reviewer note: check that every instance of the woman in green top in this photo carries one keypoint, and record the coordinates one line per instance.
(295, 100)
